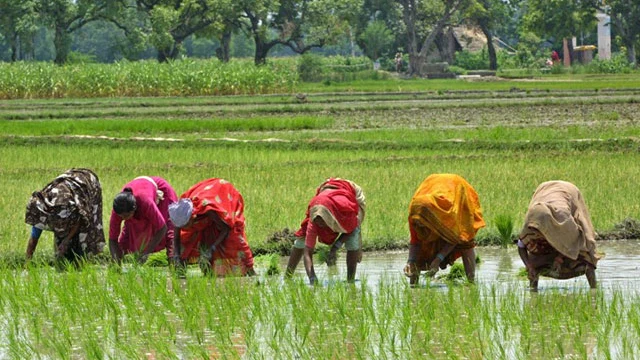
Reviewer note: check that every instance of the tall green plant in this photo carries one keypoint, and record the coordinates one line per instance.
(504, 223)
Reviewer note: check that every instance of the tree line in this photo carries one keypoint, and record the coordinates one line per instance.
(167, 29)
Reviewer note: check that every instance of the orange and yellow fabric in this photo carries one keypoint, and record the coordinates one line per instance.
(445, 208)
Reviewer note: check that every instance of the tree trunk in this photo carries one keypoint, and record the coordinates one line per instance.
(416, 62)
(631, 53)
(493, 59)
(169, 53)
(62, 43)
(163, 55)
(447, 52)
(225, 42)
(566, 53)
(14, 49)
(260, 56)
(417, 59)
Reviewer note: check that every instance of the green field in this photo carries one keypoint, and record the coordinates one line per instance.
(276, 149)
(504, 137)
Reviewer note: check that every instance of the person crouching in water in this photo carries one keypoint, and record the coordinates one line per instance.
(334, 216)
(143, 205)
(71, 207)
(210, 229)
(444, 217)
(557, 239)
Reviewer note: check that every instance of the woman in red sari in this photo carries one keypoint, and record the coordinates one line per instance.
(333, 217)
(209, 221)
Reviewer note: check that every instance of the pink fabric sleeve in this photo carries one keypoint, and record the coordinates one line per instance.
(150, 213)
(114, 225)
(311, 236)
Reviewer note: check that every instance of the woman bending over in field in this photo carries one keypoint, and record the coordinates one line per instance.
(557, 239)
(143, 205)
(334, 216)
(71, 207)
(444, 217)
(209, 220)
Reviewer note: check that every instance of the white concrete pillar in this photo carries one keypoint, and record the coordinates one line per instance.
(604, 36)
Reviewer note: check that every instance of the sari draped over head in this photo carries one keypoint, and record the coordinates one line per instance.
(444, 209)
(558, 217)
(341, 204)
(233, 254)
(153, 195)
(75, 197)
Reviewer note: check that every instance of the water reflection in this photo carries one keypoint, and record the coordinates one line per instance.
(619, 268)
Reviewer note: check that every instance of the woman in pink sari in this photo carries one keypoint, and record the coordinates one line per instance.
(209, 220)
(143, 205)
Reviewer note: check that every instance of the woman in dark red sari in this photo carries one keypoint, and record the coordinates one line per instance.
(209, 221)
(333, 217)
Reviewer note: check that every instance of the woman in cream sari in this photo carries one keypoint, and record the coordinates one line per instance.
(557, 239)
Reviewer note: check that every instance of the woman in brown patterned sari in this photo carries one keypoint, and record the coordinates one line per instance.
(71, 207)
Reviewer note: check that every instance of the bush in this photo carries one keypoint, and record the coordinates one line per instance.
(618, 64)
(80, 58)
(310, 67)
(478, 60)
(316, 68)
(456, 70)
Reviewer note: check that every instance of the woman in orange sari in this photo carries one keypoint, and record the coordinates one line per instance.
(210, 226)
(558, 239)
(444, 217)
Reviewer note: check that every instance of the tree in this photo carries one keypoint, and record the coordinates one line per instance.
(625, 17)
(18, 25)
(300, 25)
(386, 11)
(170, 22)
(488, 16)
(377, 38)
(67, 16)
(559, 19)
(424, 20)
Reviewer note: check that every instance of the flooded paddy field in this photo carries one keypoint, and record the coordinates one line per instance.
(149, 313)
(619, 269)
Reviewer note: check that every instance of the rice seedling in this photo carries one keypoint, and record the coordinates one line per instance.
(504, 224)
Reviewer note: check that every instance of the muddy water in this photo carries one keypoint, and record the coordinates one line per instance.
(619, 269)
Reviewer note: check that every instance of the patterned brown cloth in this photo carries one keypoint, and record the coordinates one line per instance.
(75, 197)
(558, 221)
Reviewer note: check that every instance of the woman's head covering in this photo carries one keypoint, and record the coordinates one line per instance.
(124, 202)
(180, 212)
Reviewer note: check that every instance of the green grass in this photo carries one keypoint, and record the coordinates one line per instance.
(543, 82)
(277, 182)
(157, 127)
(142, 313)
